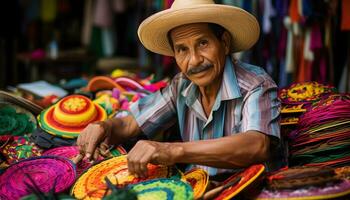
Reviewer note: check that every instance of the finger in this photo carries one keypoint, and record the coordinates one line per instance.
(145, 159)
(96, 154)
(90, 149)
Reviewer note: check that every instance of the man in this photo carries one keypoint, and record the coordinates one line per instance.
(227, 111)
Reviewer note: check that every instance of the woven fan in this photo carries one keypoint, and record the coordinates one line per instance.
(91, 183)
(45, 172)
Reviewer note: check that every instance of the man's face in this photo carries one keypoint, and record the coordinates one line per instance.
(199, 53)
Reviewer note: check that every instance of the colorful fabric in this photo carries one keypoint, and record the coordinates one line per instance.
(91, 184)
(20, 148)
(40, 172)
(70, 116)
(163, 189)
(246, 101)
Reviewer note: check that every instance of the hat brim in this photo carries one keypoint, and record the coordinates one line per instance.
(243, 26)
(103, 83)
(50, 125)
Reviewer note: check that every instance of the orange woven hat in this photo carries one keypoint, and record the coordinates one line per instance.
(70, 116)
(103, 83)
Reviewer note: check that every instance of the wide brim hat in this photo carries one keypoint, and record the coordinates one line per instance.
(92, 185)
(244, 28)
(68, 117)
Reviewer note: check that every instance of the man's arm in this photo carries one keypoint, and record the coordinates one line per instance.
(234, 151)
(239, 150)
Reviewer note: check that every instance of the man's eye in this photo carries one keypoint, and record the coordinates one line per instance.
(181, 49)
(203, 42)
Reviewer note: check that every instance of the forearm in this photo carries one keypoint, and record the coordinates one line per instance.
(239, 150)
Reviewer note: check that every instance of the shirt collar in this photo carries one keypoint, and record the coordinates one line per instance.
(229, 87)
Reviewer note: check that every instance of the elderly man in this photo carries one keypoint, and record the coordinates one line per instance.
(227, 111)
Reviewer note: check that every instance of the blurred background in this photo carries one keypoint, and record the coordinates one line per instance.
(60, 40)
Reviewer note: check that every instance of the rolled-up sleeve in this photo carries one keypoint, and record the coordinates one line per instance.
(261, 110)
(156, 111)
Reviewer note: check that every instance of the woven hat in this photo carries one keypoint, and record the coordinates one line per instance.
(70, 116)
(243, 26)
(103, 83)
(43, 173)
(91, 184)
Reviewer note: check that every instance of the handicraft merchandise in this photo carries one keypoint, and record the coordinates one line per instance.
(91, 184)
(40, 172)
(70, 116)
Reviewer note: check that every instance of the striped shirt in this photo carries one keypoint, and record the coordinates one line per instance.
(247, 100)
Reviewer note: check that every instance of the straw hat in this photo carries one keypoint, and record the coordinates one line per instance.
(70, 116)
(243, 26)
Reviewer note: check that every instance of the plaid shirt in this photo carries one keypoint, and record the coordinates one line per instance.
(247, 100)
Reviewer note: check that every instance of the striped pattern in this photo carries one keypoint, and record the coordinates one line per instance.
(247, 100)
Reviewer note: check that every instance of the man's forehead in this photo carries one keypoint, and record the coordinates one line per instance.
(188, 29)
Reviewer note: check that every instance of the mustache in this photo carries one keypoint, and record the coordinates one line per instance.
(199, 68)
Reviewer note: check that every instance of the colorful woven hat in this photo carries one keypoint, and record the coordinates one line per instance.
(198, 179)
(15, 120)
(45, 173)
(103, 83)
(91, 184)
(304, 93)
(163, 189)
(71, 152)
(70, 116)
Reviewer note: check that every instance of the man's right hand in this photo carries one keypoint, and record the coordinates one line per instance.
(91, 137)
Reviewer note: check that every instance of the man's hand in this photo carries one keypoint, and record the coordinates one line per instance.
(113, 131)
(145, 152)
(91, 137)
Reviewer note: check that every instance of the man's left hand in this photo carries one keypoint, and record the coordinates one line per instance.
(145, 152)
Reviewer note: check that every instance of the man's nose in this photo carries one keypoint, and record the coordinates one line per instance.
(195, 58)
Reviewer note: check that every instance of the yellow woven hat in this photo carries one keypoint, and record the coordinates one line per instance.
(68, 117)
(243, 26)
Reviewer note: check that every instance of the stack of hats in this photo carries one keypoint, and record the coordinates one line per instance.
(117, 93)
(322, 137)
(297, 97)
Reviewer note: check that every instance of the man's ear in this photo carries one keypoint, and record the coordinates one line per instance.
(226, 41)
